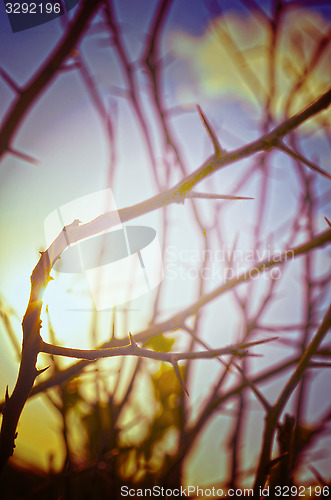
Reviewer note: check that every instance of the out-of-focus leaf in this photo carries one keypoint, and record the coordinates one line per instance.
(166, 383)
(160, 343)
(127, 463)
(71, 394)
(96, 423)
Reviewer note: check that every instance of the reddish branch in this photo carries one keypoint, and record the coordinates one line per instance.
(132, 349)
(28, 372)
(178, 193)
(32, 341)
(178, 319)
(37, 85)
(75, 232)
(275, 412)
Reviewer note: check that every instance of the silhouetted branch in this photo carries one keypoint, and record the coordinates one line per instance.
(275, 412)
(178, 193)
(38, 83)
(133, 349)
(153, 105)
(178, 319)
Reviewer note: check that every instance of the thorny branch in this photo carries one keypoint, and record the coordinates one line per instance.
(132, 349)
(40, 279)
(275, 411)
(32, 341)
(177, 194)
(75, 232)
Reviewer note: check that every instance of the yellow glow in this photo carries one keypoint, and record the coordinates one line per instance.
(233, 57)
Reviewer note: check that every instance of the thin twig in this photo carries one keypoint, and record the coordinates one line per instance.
(178, 319)
(48, 70)
(132, 349)
(297, 156)
(274, 413)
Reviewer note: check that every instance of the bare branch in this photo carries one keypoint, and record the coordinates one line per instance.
(178, 319)
(211, 196)
(274, 413)
(23, 156)
(133, 349)
(217, 146)
(298, 156)
(10, 82)
(36, 86)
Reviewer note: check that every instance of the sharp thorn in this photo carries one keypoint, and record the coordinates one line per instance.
(132, 341)
(213, 136)
(39, 372)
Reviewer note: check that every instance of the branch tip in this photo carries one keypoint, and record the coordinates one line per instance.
(196, 194)
(318, 476)
(132, 341)
(280, 144)
(181, 381)
(7, 394)
(39, 372)
(276, 460)
(10, 81)
(217, 146)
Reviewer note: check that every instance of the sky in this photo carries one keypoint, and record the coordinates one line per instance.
(67, 138)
